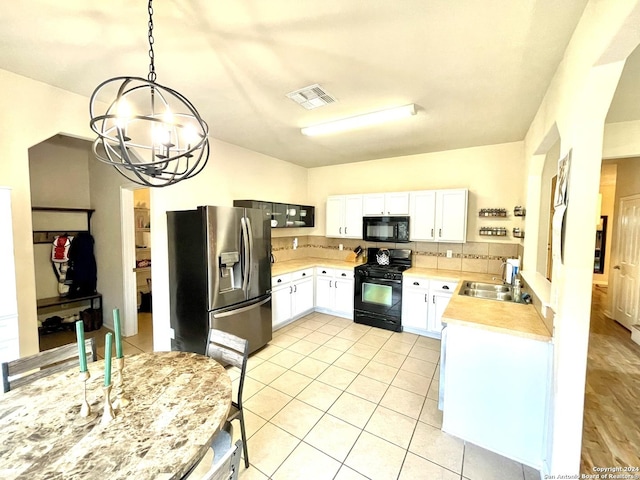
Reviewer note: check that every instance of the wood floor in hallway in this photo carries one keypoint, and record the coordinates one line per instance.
(611, 431)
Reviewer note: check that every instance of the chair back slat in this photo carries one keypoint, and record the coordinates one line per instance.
(228, 340)
(29, 369)
(225, 356)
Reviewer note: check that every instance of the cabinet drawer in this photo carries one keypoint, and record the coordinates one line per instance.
(339, 273)
(280, 279)
(415, 282)
(443, 285)
(300, 274)
(324, 272)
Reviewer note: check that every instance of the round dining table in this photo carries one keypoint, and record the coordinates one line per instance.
(178, 401)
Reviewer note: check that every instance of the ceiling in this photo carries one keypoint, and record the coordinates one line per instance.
(477, 71)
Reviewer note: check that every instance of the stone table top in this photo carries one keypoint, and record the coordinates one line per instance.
(178, 402)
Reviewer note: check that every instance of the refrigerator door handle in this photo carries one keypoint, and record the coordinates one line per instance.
(250, 236)
(245, 256)
(242, 309)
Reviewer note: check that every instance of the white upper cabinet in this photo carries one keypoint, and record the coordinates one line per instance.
(422, 224)
(439, 216)
(394, 203)
(335, 216)
(344, 216)
(451, 215)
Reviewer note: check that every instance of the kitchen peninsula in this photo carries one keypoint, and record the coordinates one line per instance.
(496, 376)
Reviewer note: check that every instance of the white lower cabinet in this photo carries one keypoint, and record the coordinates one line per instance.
(496, 388)
(291, 297)
(334, 291)
(415, 304)
(423, 302)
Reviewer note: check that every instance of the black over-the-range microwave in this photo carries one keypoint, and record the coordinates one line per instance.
(385, 229)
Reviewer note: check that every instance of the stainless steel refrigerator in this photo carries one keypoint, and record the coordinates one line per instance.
(219, 275)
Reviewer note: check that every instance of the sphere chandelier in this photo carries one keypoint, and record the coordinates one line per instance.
(150, 133)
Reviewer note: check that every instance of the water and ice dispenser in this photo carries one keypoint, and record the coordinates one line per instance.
(230, 272)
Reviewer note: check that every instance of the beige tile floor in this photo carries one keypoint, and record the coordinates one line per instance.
(330, 399)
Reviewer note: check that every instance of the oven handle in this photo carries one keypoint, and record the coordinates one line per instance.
(382, 280)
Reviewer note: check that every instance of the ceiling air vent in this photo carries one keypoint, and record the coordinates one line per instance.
(311, 97)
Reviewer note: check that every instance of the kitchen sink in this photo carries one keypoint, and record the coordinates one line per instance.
(489, 291)
(491, 287)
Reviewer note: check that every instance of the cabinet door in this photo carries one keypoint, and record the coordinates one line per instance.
(396, 203)
(439, 302)
(343, 296)
(335, 216)
(324, 293)
(451, 215)
(353, 216)
(423, 216)
(373, 204)
(281, 306)
(415, 308)
(302, 297)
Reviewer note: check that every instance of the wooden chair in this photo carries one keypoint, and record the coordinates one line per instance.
(29, 369)
(231, 350)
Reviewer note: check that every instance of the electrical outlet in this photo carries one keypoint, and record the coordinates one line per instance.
(449, 253)
(341, 247)
(295, 243)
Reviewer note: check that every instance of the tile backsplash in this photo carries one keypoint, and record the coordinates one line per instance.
(479, 257)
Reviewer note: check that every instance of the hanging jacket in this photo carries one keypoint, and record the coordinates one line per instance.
(83, 270)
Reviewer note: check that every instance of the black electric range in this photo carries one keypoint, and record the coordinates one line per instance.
(378, 288)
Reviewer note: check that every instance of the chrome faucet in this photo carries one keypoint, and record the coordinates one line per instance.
(503, 272)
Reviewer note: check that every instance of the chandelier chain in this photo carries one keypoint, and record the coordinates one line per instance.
(152, 68)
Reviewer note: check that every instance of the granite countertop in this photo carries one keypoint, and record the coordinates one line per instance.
(178, 403)
(288, 266)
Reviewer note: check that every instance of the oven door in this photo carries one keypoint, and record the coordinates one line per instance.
(378, 295)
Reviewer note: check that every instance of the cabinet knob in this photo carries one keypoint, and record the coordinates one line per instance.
(304, 275)
(445, 287)
(344, 274)
(416, 283)
(279, 280)
(324, 271)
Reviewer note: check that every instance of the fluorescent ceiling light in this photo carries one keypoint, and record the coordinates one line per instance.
(358, 121)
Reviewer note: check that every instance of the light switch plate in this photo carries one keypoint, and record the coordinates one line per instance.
(172, 334)
(449, 253)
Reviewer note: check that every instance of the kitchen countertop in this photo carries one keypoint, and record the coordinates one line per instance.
(511, 318)
(503, 317)
(288, 266)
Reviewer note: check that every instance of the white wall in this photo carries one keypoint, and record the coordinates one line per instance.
(576, 103)
(31, 112)
(493, 174)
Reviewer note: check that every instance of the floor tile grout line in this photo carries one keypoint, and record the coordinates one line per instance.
(343, 390)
